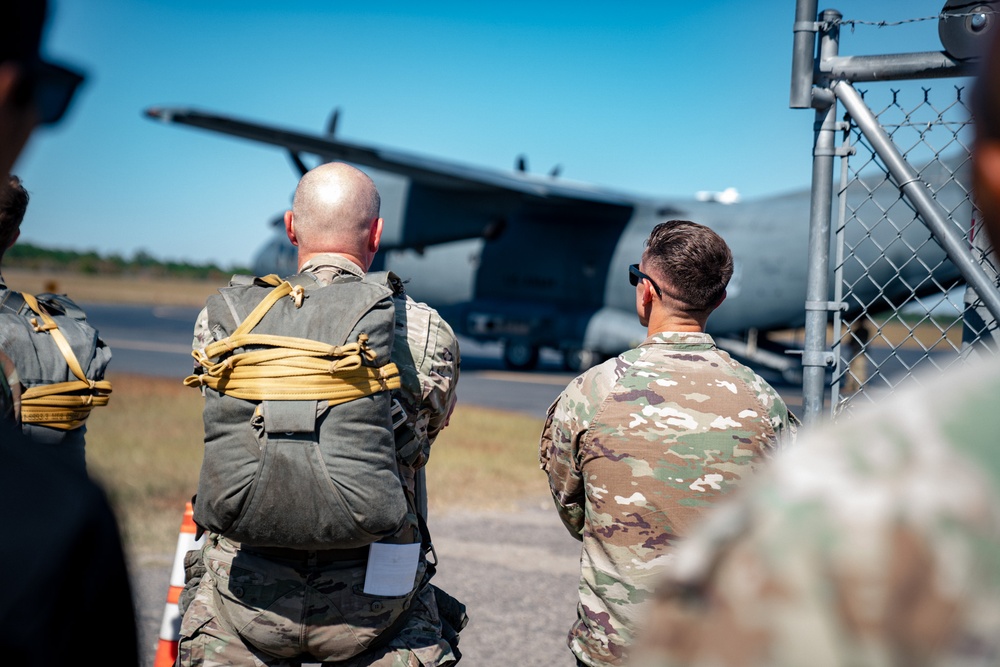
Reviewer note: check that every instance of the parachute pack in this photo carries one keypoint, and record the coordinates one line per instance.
(299, 447)
(60, 360)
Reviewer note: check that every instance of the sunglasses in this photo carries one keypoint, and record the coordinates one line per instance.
(53, 88)
(635, 275)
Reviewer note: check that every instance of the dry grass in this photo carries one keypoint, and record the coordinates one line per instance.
(485, 459)
(894, 332)
(113, 289)
(146, 447)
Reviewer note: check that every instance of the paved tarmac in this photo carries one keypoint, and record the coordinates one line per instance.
(516, 570)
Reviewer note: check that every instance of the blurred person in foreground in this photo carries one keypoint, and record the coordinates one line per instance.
(638, 448)
(876, 541)
(63, 579)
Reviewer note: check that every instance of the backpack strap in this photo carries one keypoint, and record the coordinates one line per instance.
(387, 279)
(62, 405)
(285, 368)
(11, 302)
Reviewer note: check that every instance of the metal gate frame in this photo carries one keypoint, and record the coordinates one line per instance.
(822, 80)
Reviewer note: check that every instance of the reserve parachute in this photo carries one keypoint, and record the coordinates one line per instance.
(299, 447)
(60, 361)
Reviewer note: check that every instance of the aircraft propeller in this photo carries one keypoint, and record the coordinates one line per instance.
(297, 161)
(331, 126)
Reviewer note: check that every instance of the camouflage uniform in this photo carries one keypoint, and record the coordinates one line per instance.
(874, 542)
(636, 449)
(316, 606)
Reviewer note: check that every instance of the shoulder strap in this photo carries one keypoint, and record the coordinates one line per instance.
(12, 302)
(388, 279)
(63, 405)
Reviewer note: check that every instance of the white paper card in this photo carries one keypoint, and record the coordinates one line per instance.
(391, 568)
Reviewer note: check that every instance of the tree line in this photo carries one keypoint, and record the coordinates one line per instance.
(30, 256)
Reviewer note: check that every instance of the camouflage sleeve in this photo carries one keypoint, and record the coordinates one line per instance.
(559, 447)
(202, 338)
(784, 423)
(426, 351)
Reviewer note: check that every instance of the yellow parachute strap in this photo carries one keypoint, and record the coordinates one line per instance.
(63, 405)
(290, 368)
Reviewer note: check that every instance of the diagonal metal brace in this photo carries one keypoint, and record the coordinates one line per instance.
(918, 194)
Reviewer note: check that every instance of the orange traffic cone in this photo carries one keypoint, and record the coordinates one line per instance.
(170, 629)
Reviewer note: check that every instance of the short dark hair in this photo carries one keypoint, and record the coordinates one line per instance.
(13, 204)
(695, 262)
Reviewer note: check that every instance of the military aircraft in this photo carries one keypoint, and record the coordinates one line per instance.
(536, 261)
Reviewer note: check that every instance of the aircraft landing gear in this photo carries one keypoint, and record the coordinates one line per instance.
(579, 360)
(520, 355)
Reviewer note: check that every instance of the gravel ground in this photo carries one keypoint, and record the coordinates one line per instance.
(515, 571)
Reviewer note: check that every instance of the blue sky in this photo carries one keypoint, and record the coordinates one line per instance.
(659, 98)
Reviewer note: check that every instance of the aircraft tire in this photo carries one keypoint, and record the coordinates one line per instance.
(578, 360)
(520, 355)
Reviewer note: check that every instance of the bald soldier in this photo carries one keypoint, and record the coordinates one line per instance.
(638, 448)
(262, 594)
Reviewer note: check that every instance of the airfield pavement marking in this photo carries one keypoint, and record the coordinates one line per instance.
(146, 346)
(520, 376)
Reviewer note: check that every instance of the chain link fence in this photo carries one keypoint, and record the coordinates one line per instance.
(904, 307)
(895, 241)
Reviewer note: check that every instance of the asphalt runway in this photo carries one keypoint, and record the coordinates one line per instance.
(156, 340)
(517, 571)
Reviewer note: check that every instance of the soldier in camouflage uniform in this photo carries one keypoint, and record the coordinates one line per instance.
(876, 541)
(637, 448)
(314, 606)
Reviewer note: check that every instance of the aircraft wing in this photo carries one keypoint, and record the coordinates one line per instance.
(426, 172)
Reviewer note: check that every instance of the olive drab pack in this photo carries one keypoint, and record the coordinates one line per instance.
(60, 361)
(299, 447)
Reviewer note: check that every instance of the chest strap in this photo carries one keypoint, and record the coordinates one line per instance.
(62, 405)
(288, 368)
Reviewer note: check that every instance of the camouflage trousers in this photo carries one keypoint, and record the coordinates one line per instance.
(251, 610)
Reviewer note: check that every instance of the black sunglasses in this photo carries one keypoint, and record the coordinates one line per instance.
(53, 87)
(635, 275)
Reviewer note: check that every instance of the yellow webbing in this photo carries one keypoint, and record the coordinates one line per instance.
(63, 405)
(290, 368)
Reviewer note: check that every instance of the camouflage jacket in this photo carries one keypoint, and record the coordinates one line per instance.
(424, 348)
(635, 450)
(875, 541)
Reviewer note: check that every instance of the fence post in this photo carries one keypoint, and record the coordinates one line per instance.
(816, 355)
(803, 54)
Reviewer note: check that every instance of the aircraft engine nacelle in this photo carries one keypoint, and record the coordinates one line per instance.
(966, 28)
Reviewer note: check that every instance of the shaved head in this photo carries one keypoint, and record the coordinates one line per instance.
(333, 210)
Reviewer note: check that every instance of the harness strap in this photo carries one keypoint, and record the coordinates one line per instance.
(289, 368)
(62, 405)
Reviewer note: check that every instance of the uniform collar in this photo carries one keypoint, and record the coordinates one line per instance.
(329, 261)
(681, 340)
